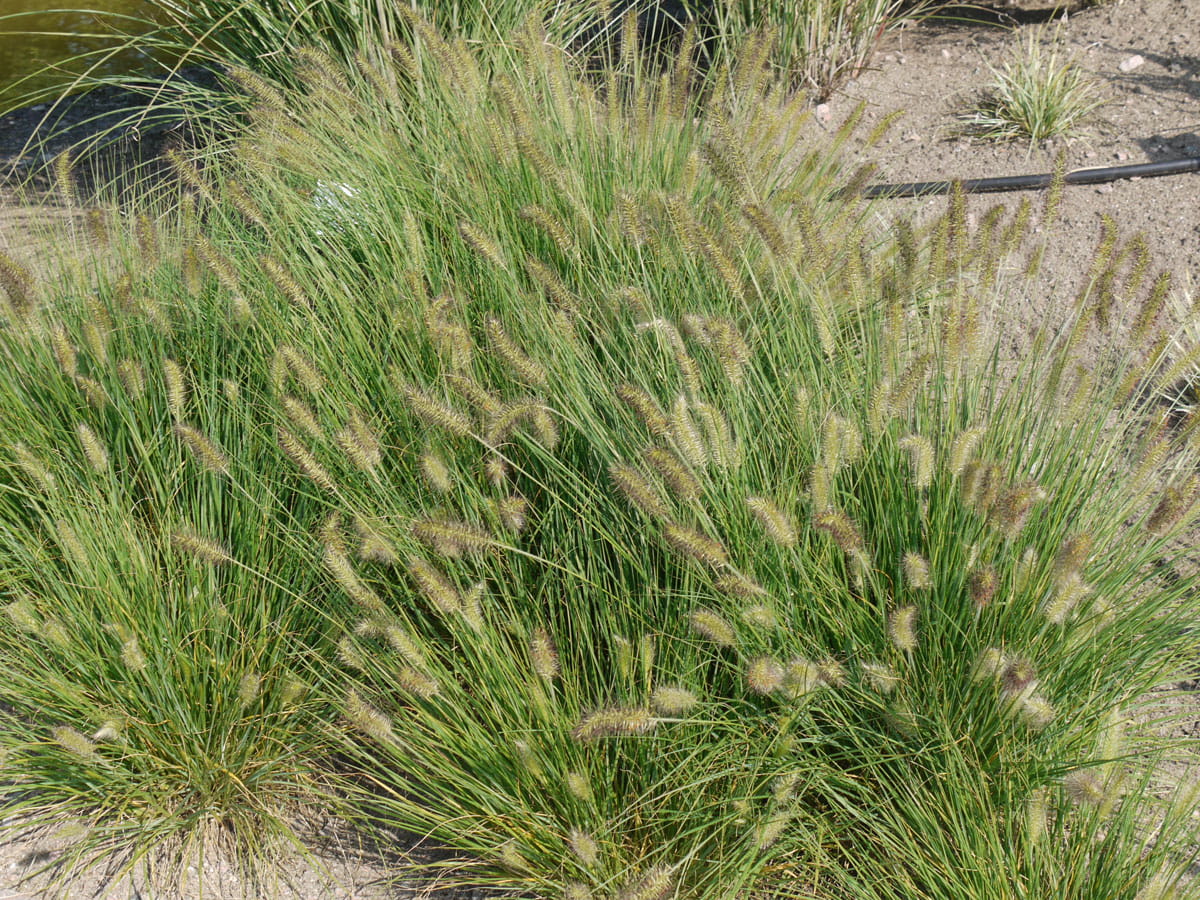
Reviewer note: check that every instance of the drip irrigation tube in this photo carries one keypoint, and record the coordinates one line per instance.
(1031, 182)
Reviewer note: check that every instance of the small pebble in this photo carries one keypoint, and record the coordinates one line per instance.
(1128, 65)
(823, 113)
(1104, 189)
(1122, 155)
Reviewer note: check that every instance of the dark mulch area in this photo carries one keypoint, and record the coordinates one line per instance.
(114, 134)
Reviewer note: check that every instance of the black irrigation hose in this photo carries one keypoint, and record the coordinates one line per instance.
(1031, 182)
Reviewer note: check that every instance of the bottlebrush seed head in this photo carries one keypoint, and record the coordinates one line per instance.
(436, 414)
(177, 391)
(655, 884)
(637, 490)
(579, 787)
(963, 449)
(93, 449)
(249, 688)
(204, 549)
(614, 721)
(514, 512)
(132, 377)
(686, 436)
(526, 369)
(65, 353)
(1067, 595)
(916, 572)
(902, 628)
(774, 521)
(760, 616)
(1174, 505)
(302, 368)
(672, 700)
(35, 470)
(301, 415)
(204, 450)
(452, 538)
(304, 460)
(1036, 711)
(94, 391)
(982, 585)
(1072, 555)
(1018, 676)
(1084, 788)
(881, 677)
(417, 683)
(75, 743)
(991, 664)
(132, 656)
(367, 719)
(671, 469)
(764, 675)
(841, 528)
(23, 614)
(435, 586)
(1012, 509)
(495, 470)
(801, 678)
(435, 472)
(696, 545)
(738, 585)
(920, 452)
(543, 655)
(484, 246)
(772, 829)
(584, 846)
(645, 407)
(713, 627)
(342, 570)
(374, 546)
(831, 672)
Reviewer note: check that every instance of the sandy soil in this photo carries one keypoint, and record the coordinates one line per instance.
(936, 71)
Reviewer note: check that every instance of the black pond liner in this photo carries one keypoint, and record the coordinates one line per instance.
(1027, 182)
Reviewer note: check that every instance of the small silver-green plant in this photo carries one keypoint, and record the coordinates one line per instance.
(1039, 93)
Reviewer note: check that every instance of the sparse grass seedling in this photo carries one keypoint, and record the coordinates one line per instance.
(1038, 94)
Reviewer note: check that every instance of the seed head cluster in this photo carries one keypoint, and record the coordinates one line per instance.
(902, 628)
(696, 545)
(713, 627)
(614, 721)
(672, 700)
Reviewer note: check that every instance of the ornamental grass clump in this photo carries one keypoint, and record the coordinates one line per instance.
(642, 521)
(1037, 94)
(815, 44)
(158, 615)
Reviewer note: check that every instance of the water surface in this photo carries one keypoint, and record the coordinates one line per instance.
(36, 34)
